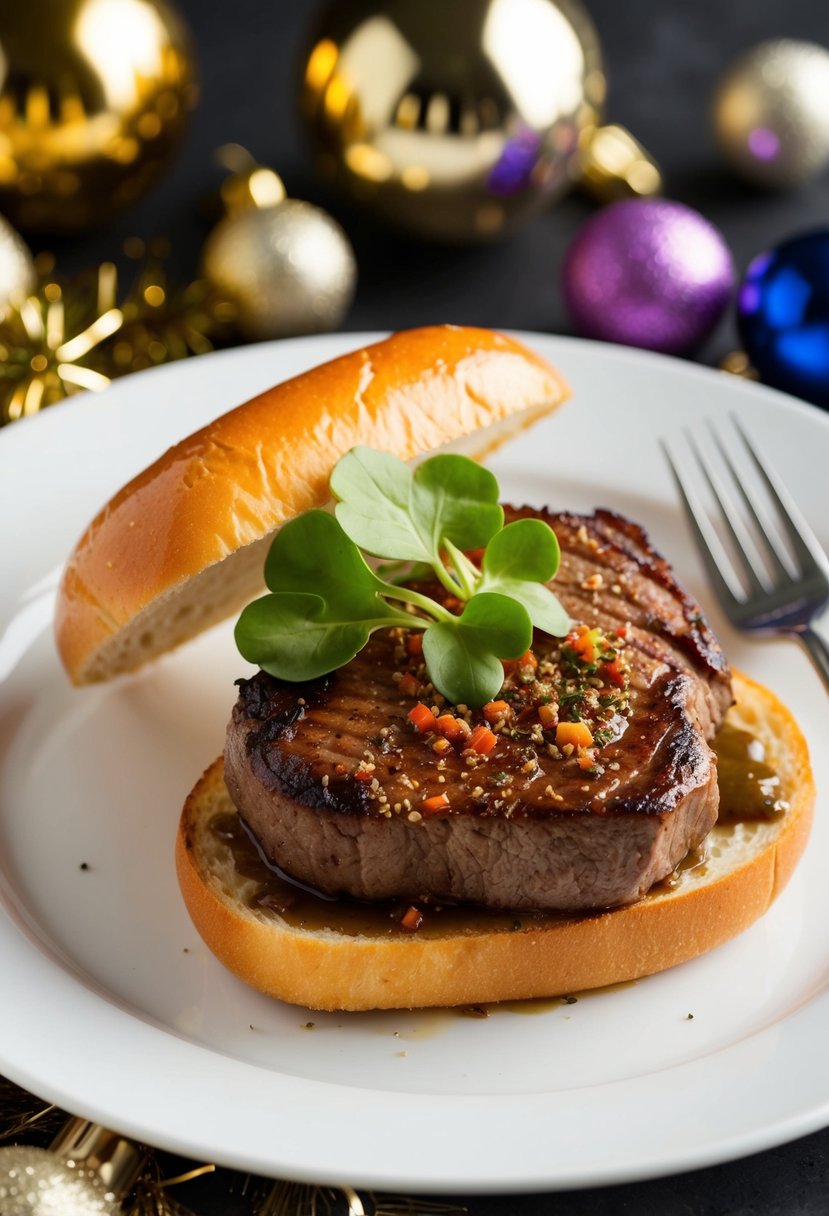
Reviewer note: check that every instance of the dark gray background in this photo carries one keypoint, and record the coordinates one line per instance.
(663, 59)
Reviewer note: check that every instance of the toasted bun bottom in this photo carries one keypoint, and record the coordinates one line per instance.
(747, 866)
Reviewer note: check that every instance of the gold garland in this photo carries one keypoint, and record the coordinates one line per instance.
(79, 334)
(22, 1116)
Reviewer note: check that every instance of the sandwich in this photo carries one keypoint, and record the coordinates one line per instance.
(604, 800)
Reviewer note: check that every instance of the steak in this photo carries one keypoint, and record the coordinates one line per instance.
(343, 793)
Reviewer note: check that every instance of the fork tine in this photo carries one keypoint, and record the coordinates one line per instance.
(804, 542)
(707, 539)
(738, 541)
(772, 553)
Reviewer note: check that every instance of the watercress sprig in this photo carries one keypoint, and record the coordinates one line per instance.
(325, 600)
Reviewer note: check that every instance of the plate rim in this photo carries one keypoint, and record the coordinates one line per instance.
(794, 1125)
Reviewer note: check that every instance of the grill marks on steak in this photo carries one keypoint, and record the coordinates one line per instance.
(553, 838)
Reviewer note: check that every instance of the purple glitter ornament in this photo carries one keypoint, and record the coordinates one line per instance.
(648, 272)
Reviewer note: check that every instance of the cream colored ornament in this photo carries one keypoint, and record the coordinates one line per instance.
(771, 113)
(17, 271)
(94, 98)
(285, 266)
(458, 121)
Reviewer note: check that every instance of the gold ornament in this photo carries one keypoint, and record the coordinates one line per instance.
(771, 113)
(284, 266)
(94, 96)
(67, 337)
(458, 121)
(85, 1172)
(737, 363)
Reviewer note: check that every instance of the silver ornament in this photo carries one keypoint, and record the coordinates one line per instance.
(771, 113)
(36, 1182)
(17, 271)
(288, 269)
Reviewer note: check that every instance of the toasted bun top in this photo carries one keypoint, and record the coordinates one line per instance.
(183, 545)
(745, 867)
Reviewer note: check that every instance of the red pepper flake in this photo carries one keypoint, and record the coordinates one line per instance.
(364, 774)
(482, 740)
(414, 645)
(615, 672)
(411, 920)
(451, 728)
(409, 685)
(422, 717)
(435, 804)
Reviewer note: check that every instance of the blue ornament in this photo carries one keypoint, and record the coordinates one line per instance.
(783, 316)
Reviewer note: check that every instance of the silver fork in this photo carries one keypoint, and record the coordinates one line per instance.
(768, 579)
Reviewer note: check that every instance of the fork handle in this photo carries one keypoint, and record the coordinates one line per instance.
(818, 653)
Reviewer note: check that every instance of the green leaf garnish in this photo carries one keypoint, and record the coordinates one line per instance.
(518, 561)
(463, 656)
(392, 512)
(325, 600)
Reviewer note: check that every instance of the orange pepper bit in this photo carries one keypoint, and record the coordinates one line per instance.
(525, 665)
(414, 645)
(587, 758)
(451, 728)
(547, 716)
(575, 733)
(409, 685)
(435, 804)
(422, 717)
(411, 920)
(496, 711)
(586, 642)
(482, 740)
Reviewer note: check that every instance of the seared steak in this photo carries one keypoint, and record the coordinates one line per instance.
(345, 794)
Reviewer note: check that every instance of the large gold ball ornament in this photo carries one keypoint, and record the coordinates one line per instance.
(94, 97)
(771, 113)
(457, 121)
(285, 266)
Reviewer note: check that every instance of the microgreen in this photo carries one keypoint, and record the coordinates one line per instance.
(325, 600)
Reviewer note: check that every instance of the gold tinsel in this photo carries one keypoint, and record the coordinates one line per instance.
(80, 334)
(22, 1116)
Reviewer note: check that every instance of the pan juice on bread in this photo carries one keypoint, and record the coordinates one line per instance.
(446, 785)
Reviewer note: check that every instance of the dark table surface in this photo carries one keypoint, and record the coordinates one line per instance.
(663, 59)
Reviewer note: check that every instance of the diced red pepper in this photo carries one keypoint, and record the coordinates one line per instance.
(414, 645)
(615, 673)
(435, 804)
(422, 717)
(451, 728)
(411, 920)
(409, 685)
(482, 740)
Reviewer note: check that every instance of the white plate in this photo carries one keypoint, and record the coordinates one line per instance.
(112, 1007)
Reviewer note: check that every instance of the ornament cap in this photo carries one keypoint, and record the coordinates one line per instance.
(116, 1160)
(614, 165)
(251, 190)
